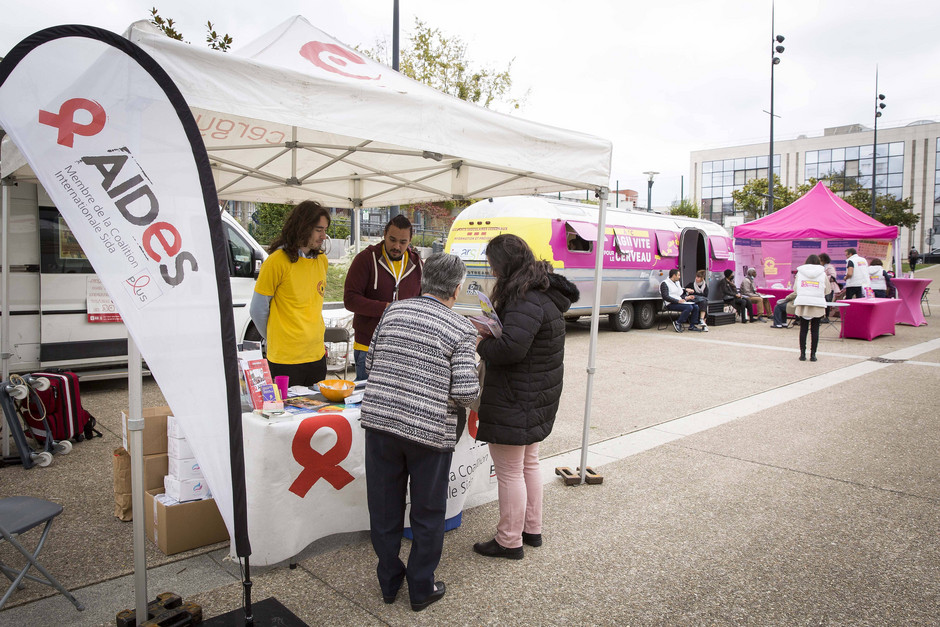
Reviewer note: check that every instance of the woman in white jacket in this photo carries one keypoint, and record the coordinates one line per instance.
(811, 286)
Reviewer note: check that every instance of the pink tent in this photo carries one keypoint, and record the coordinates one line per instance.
(819, 214)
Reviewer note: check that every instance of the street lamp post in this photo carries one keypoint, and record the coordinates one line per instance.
(649, 189)
(879, 105)
(395, 35)
(775, 49)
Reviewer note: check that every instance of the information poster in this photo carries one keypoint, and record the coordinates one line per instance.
(99, 305)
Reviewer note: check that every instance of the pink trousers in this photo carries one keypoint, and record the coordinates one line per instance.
(520, 492)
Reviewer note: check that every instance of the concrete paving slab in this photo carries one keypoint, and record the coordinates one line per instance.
(888, 441)
(102, 602)
(817, 507)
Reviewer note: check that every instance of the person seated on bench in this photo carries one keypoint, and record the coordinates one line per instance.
(678, 300)
(782, 309)
(731, 296)
(880, 281)
(699, 290)
(749, 291)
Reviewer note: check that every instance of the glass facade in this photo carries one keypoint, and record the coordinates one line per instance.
(851, 167)
(934, 242)
(720, 178)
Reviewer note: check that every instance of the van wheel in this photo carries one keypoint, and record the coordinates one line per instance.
(645, 315)
(251, 334)
(623, 319)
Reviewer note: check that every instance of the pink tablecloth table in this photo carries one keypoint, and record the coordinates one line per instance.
(867, 318)
(910, 292)
(775, 294)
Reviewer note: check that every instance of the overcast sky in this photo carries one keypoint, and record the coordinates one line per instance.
(659, 79)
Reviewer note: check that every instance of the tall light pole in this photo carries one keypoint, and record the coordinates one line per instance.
(775, 49)
(395, 36)
(649, 189)
(879, 105)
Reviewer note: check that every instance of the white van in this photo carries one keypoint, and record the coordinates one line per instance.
(59, 314)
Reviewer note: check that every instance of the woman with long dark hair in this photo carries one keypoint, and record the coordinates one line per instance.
(287, 306)
(522, 386)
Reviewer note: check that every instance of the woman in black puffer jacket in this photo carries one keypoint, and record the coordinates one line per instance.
(522, 386)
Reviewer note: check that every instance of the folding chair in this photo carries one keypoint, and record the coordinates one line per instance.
(924, 303)
(339, 335)
(19, 514)
(666, 317)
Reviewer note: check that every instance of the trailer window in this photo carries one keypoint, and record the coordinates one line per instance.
(668, 243)
(720, 248)
(622, 240)
(580, 236)
(59, 252)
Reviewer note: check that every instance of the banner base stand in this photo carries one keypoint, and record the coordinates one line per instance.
(270, 611)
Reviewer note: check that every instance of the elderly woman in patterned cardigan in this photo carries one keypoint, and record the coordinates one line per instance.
(422, 366)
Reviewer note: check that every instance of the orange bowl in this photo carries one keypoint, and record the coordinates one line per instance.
(336, 390)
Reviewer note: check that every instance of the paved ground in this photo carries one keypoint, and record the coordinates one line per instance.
(741, 487)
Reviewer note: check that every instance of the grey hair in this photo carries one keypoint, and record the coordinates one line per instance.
(441, 275)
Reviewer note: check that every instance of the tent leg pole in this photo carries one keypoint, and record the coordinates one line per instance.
(246, 584)
(595, 320)
(5, 353)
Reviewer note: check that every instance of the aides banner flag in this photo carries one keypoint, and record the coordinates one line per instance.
(115, 146)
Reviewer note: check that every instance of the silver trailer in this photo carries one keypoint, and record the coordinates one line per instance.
(639, 250)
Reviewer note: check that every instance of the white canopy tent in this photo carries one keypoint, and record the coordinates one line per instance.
(296, 115)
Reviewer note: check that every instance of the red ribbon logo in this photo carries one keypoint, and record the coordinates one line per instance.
(333, 58)
(472, 423)
(64, 120)
(321, 466)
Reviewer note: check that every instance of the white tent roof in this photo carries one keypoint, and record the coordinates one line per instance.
(296, 115)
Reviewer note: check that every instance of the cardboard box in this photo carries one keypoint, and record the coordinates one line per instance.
(184, 491)
(154, 430)
(179, 448)
(183, 469)
(173, 429)
(155, 468)
(185, 526)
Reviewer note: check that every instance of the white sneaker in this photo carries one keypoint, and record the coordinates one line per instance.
(704, 326)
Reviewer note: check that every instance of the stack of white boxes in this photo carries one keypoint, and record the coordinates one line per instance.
(184, 481)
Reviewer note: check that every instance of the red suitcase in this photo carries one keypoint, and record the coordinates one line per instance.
(63, 410)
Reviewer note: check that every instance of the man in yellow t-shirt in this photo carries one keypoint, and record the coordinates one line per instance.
(287, 306)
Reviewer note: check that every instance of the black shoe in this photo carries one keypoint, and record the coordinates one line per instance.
(812, 357)
(677, 326)
(495, 549)
(439, 589)
(802, 356)
(532, 539)
(390, 598)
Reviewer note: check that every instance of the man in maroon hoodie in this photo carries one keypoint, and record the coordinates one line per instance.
(378, 276)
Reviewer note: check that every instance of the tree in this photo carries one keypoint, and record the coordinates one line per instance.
(684, 207)
(269, 220)
(168, 26)
(752, 198)
(888, 209)
(440, 61)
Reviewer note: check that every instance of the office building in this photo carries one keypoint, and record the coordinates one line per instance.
(906, 166)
